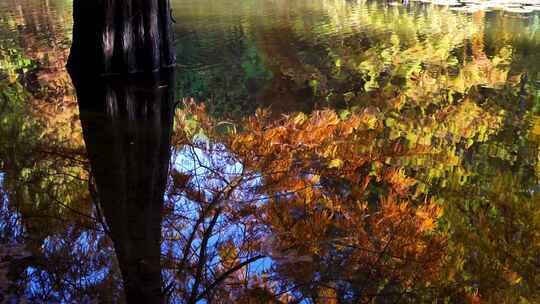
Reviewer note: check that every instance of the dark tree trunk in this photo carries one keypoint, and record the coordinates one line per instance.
(127, 129)
(121, 36)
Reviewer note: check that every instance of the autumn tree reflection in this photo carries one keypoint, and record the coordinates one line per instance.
(420, 186)
(337, 220)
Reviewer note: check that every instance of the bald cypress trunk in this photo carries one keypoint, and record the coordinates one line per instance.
(121, 36)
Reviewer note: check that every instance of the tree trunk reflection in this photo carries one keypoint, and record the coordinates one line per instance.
(127, 129)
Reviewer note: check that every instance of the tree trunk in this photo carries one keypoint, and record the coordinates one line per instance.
(127, 129)
(121, 36)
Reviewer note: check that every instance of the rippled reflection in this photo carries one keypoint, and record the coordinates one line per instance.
(397, 160)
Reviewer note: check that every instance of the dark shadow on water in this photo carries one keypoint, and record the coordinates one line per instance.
(127, 130)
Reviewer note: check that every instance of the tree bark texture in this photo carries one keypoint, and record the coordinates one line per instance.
(121, 36)
(127, 129)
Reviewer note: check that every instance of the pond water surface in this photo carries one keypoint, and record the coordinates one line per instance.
(90, 177)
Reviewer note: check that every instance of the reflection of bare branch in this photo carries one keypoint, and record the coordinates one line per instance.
(97, 203)
(226, 274)
(203, 257)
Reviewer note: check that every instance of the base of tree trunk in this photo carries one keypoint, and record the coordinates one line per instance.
(121, 36)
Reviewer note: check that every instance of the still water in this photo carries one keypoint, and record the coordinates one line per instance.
(108, 185)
